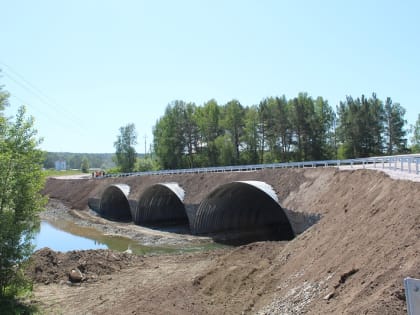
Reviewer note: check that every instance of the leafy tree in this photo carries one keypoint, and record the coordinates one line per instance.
(302, 116)
(85, 165)
(360, 126)
(190, 132)
(125, 155)
(226, 150)
(264, 126)
(283, 128)
(375, 131)
(415, 139)
(250, 136)
(207, 119)
(394, 127)
(21, 180)
(146, 164)
(233, 122)
(323, 142)
(268, 119)
(168, 136)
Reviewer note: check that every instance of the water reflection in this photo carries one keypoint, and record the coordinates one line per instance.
(62, 235)
(65, 236)
(58, 240)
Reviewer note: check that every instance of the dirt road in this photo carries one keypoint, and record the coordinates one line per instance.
(352, 261)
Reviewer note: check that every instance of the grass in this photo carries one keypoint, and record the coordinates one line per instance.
(49, 173)
(13, 306)
(19, 302)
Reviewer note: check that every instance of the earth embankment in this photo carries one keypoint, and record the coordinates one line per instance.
(352, 261)
(75, 192)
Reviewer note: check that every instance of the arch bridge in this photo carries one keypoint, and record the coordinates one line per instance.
(239, 210)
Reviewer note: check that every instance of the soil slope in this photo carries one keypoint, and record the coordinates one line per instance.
(352, 261)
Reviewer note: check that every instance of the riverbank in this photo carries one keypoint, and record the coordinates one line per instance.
(353, 261)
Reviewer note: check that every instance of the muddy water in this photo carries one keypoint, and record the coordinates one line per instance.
(64, 235)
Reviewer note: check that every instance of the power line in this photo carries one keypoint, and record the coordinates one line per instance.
(54, 120)
(46, 114)
(45, 99)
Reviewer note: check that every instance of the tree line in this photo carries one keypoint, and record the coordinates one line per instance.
(278, 130)
(80, 160)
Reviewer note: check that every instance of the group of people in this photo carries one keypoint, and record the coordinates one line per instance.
(98, 174)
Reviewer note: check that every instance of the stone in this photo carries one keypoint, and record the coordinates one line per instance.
(75, 275)
(329, 296)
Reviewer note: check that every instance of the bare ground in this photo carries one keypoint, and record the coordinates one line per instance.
(352, 261)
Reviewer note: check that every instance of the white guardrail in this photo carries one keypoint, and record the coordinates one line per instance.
(405, 163)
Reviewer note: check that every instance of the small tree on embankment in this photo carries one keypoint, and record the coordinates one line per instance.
(21, 181)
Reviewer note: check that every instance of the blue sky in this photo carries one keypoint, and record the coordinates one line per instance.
(86, 68)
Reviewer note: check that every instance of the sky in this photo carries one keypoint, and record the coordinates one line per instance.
(85, 68)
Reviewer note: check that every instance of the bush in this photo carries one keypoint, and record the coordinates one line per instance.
(22, 179)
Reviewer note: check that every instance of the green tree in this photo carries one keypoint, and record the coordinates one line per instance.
(264, 126)
(190, 133)
(21, 180)
(226, 150)
(168, 136)
(360, 126)
(394, 127)
(283, 128)
(233, 122)
(85, 165)
(125, 155)
(250, 136)
(302, 118)
(322, 123)
(146, 164)
(267, 128)
(415, 139)
(207, 119)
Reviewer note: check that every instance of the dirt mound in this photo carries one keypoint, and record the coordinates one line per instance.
(352, 262)
(47, 266)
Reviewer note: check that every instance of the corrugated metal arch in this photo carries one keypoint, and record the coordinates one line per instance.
(243, 206)
(114, 203)
(162, 202)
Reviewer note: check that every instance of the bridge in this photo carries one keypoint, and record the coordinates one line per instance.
(236, 210)
(234, 204)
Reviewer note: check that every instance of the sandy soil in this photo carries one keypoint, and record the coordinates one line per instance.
(352, 261)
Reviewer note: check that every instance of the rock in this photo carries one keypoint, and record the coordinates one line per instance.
(329, 296)
(75, 275)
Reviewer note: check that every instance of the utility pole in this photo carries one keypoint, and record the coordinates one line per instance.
(145, 138)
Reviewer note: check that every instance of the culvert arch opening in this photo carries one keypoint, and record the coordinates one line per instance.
(114, 204)
(161, 204)
(242, 212)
